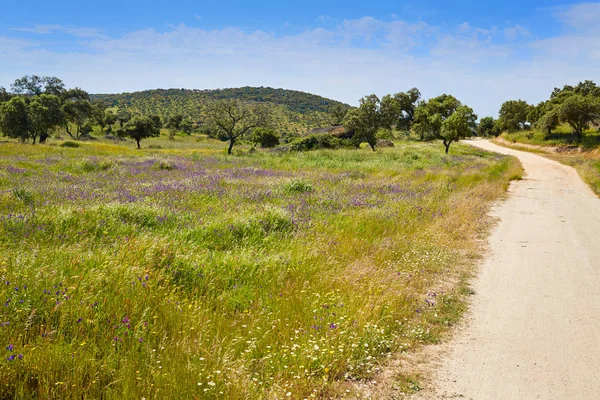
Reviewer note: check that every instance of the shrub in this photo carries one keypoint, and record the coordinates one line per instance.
(265, 137)
(305, 143)
(297, 186)
(92, 165)
(164, 165)
(70, 144)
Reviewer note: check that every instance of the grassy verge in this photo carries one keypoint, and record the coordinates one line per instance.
(585, 159)
(183, 273)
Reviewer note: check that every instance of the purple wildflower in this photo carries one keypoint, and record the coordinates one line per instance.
(10, 347)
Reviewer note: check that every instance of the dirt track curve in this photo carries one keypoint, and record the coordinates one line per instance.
(534, 326)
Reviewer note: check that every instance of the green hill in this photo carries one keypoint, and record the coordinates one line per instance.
(293, 112)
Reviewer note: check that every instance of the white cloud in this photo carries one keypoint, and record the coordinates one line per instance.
(516, 32)
(581, 17)
(81, 32)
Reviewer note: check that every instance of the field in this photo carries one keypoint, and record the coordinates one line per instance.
(180, 272)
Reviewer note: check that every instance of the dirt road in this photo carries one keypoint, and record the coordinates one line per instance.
(534, 326)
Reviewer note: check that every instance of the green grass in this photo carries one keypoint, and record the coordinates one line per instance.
(181, 272)
(561, 136)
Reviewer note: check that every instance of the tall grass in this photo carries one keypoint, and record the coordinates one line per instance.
(190, 274)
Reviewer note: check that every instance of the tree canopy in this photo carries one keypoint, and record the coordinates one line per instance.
(234, 119)
(513, 115)
(365, 120)
(444, 118)
(139, 128)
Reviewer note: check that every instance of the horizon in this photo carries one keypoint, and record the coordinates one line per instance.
(483, 53)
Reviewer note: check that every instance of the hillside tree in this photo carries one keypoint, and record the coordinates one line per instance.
(459, 125)
(139, 128)
(14, 120)
(233, 119)
(487, 127)
(579, 112)
(429, 115)
(513, 115)
(365, 121)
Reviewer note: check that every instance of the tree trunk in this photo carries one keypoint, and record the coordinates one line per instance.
(231, 142)
(43, 138)
(34, 137)
(447, 145)
(372, 145)
(138, 143)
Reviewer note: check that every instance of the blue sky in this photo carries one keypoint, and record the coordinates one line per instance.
(483, 52)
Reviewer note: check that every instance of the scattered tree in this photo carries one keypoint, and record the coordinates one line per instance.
(123, 117)
(78, 112)
(14, 121)
(110, 119)
(338, 112)
(234, 119)
(4, 95)
(99, 114)
(513, 115)
(579, 112)
(139, 128)
(459, 125)
(265, 137)
(398, 110)
(430, 115)
(173, 125)
(33, 85)
(487, 127)
(45, 114)
(364, 121)
(186, 126)
(548, 121)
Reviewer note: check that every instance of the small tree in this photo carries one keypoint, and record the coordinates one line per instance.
(513, 115)
(487, 127)
(364, 121)
(548, 121)
(234, 119)
(430, 115)
(579, 112)
(99, 114)
(265, 137)
(173, 124)
(123, 117)
(338, 112)
(110, 119)
(78, 113)
(457, 126)
(45, 114)
(4, 95)
(14, 120)
(140, 128)
(186, 126)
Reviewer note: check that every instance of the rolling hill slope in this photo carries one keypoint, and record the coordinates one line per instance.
(293, 112)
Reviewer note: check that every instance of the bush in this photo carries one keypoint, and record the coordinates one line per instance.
(324, 141)
(92, 165)
(296, 186)
(69, 143)
(306, 143)
(164, 165)
(265, 138)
